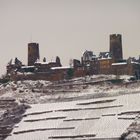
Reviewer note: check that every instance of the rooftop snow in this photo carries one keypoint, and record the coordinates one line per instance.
(123, 63)
(55, 68)
(105, 58)
(28, 67)
(132, 62)
(41, 63)
(105, 54)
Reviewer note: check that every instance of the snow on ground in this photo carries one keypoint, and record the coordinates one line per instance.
(75, 119)
(76, 90)
(79, 88)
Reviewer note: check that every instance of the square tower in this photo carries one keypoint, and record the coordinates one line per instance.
(116, 47)
(33, 53)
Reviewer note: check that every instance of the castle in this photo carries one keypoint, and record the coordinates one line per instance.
(109, 62)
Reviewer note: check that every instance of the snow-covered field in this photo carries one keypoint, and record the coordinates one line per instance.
(74, 109)
(86, 119)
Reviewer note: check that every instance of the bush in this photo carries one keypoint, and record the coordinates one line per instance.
(116, 81)
(70, 73)
(4, 79)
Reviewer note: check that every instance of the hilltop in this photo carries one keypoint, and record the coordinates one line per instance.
(40, 91)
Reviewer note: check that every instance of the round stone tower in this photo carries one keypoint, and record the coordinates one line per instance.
(33, 53)
(116, 47)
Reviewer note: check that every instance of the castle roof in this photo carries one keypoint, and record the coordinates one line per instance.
(105, 55)
(88, 55)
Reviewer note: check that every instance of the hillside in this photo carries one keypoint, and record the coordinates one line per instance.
(78, 90)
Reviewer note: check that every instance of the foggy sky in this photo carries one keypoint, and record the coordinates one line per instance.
(66, 28)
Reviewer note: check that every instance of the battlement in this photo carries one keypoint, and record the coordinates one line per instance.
(115, 36)
(33, 44)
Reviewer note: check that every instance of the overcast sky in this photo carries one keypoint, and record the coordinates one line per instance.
(67, 27)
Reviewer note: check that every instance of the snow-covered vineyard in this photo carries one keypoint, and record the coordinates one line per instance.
(87, 119)
(84, 108)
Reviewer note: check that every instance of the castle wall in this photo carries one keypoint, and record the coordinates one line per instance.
(126, 69)
(38, 76)
(105, 66)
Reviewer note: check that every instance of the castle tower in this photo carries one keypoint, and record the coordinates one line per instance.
(116, 47)
(58, 62)
(33, 53)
